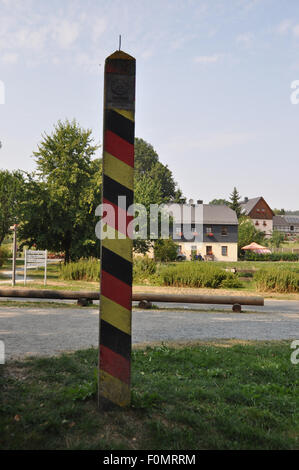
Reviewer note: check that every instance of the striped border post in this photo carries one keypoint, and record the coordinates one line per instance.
(116, 251)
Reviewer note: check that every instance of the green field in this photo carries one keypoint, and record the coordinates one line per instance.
(224, 395)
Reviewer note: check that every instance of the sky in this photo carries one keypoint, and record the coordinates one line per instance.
(213, 85)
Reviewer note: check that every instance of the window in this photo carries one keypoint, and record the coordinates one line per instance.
(209, 250)
(193, 249)
(292, 227)
(178, 230)
(192, 227)
(208, 229)
(256, 223)
(223, 231)
(224, 250)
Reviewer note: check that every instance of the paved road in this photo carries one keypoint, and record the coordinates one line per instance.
(37, 331)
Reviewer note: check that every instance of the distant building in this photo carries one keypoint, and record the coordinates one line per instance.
(260, 213)
(214, 232)
(287, 224)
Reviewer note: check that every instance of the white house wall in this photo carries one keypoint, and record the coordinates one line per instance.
(232, 250)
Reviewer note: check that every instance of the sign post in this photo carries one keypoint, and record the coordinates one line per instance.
(14, 254)
(116, 250)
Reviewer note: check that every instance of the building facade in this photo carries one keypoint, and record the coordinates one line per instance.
(286, 224)
(212, 233)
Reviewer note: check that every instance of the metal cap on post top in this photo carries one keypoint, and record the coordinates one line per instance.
(116, 251)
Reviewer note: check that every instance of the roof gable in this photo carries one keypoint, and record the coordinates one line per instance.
(250, 205)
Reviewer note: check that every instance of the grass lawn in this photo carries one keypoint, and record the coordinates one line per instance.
(209, 395)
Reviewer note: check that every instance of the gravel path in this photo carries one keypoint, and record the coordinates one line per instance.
(37, 331)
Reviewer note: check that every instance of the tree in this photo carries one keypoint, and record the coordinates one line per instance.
(11, 184)
(145, 157)
(219, 202)
(147, 192)
(154, 184)
(248, 233)
(235, 202)
(279, 211)
(165, 250)
(276, 239)
(58, 208)
(149, 168)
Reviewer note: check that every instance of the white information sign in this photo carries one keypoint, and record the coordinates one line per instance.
(35, 259)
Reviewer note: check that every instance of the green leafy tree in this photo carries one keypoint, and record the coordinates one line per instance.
(58, 208)
(279, 211)
(234, 203)
(276, 239)
(145, 157)
(248, 233)
(147, 165)
(154, 184)
(219, 202)
(147, 192)
(165, 250)
(11, 190)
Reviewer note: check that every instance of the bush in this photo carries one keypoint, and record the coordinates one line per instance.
(143, 268)
(5, 253)
(165, 250)
(249, 256)
(277, 279)
(232, 282)
(82, 270)
(189, 274)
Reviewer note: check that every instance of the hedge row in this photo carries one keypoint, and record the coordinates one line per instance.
(198, 275)
(249, 256)
(82, 270)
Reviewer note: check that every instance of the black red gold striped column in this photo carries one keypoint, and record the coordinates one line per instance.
(116, 251)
